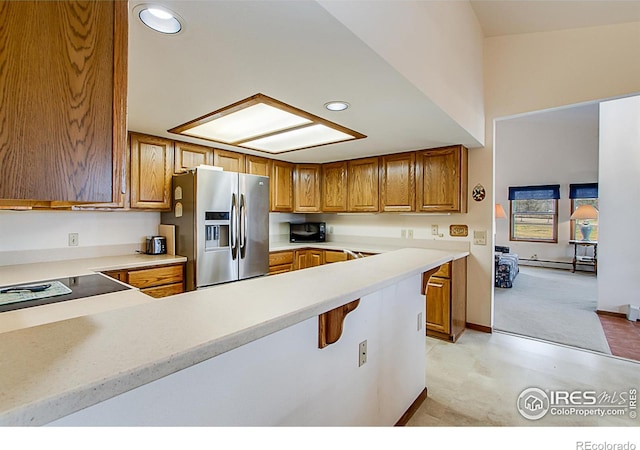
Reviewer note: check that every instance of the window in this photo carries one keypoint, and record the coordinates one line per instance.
(584, 194)
(534, 213)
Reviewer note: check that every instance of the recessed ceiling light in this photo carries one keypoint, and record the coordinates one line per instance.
(336, 106)
(159, 18)
(266, 124)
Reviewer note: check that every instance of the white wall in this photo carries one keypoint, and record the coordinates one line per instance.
(32, 236)
(618, 247)
(284, 379)
(550, 147)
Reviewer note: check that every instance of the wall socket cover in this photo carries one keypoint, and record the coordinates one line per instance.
(480, 237)
(362, 353)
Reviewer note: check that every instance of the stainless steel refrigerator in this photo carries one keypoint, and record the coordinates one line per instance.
(222, 225)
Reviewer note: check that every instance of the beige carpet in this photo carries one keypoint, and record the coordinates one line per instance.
(552, 305)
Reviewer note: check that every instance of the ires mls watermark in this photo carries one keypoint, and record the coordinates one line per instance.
(535, 403)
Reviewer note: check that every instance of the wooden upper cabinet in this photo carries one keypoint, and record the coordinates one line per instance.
(281, 186)
(306, 180)
(151, 170)
(63, 85)
(229, 161)
(334, 187)
(257, 165)
(188, 156)
(363, 185)
(398, 182)
(442, 179)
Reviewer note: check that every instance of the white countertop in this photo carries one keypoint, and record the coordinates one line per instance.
(35, 272)
(51, 370)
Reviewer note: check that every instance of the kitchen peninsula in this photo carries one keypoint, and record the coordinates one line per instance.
(243, 353)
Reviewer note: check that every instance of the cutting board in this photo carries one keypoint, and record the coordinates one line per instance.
(169, 232)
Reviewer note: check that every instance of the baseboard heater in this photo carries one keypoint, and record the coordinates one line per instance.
(546, 263)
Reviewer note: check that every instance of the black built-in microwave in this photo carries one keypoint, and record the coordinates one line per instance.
(307, 231)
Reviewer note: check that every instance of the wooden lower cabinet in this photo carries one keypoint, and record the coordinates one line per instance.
(281, 262)
(308, 258)
(331, 256)
(155, 281)
(288, 260)
(446, 301)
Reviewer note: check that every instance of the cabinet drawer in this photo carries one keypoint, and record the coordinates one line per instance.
(156, 276)
(164, 291)
(278, 258)
(331, 256)
(444, 272)
(282, 268)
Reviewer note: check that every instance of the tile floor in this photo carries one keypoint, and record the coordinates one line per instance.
(622, 335)
(477, 380)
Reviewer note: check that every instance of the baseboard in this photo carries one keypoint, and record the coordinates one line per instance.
(610, 313)
(412, 409)
(475, 326)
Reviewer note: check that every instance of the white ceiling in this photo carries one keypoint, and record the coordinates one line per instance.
(298, 53)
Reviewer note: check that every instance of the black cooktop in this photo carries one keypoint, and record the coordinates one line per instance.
(81, 286)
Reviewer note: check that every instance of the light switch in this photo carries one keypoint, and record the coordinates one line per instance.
(480, 237)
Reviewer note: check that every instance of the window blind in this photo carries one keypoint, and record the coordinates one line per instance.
(583, 190)
(544, 192)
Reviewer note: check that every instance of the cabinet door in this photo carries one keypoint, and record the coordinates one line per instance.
(398, 182)
(306, 181)
(334, 187)
(63, 79)
(301, 260)
(442, 179)
(188, 156)
(229, 161)
(439, 305)
(363, 185)
(256, 165)
(315, 258)
(151, 171)
(281, 184)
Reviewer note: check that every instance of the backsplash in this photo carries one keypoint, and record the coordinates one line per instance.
(34, 236)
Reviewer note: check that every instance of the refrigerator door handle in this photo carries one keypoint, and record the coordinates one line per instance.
(243, 226)
(234, 227)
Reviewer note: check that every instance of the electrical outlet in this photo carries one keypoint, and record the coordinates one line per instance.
(434, 230)
(73, 239)
(330, 230)
(403, 233)
(362, 353)
(419, 321)
(410, 234)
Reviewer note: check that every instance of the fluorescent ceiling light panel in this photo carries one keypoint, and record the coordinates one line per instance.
(310, 136)
(263, 123)
(255, 120)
